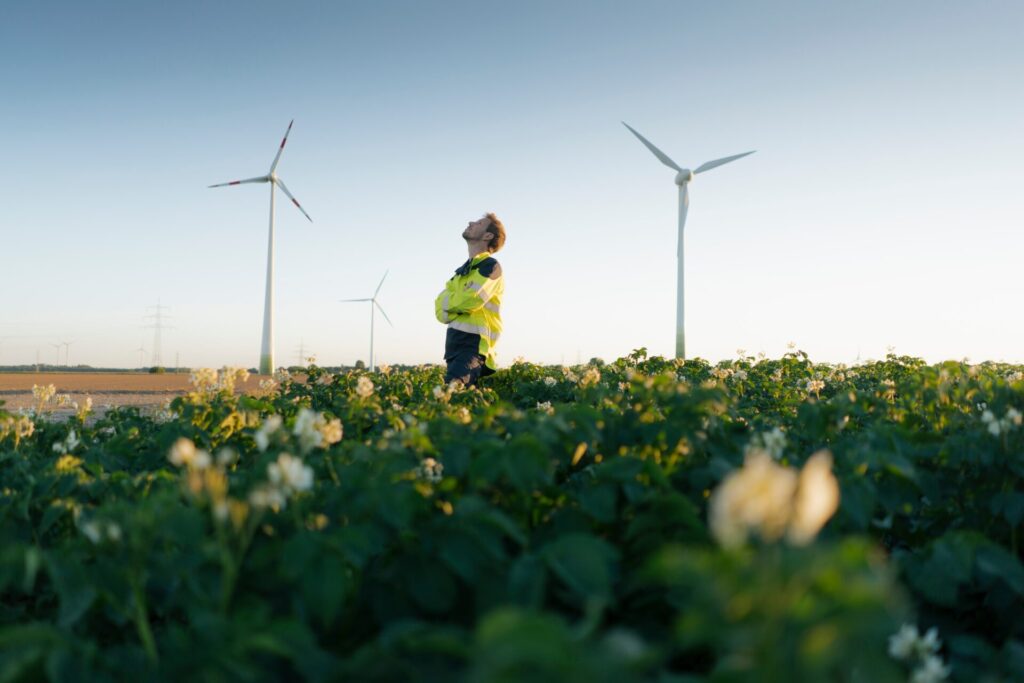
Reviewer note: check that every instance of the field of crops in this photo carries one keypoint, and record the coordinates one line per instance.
(770, 520)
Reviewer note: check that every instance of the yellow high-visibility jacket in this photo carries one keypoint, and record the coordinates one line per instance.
(471, 307)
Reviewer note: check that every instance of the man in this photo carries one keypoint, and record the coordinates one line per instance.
(471, 304)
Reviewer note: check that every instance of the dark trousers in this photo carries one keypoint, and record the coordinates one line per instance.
(466, 367)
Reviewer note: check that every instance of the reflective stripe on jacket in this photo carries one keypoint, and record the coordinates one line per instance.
(471, 307)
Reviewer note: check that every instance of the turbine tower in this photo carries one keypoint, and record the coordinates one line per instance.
(267, 347)
(373, 303)
(683, 178)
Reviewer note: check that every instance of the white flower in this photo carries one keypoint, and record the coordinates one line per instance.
(930, 644)
(267, 497)
(43, 394)
(364, 387)
(740, 375)
(439, 392)
(69, 443)
(92, 531)
(431, 470)
(932, 670)
(817, 499)
(815, 386)
(545, 407)
(903, 642)
(550, 381)
(773, 500)
(262, 435)
(590, 378)
(314, 430)
(773, 442)
(184, 453)
(331, 431)
(757, 496)
(290, 474)
(98, 531)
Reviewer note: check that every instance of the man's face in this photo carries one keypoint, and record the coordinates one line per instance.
(475, 231)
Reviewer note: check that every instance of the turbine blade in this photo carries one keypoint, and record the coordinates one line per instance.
(261, 179)
(377, 291)
(284, 189)
(654, 150)
(383, 313)
(707, 166)
(351, 300)
(281, 148)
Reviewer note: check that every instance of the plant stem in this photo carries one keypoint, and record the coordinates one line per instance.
(142, 621)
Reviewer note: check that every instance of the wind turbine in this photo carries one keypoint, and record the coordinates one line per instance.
(267, 348)
(67, 352)
(683, 178)
(373, 303)
(57, 346)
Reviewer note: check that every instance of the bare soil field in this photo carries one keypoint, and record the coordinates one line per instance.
(105, 388)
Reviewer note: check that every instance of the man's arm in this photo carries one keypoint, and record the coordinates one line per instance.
(482, 285)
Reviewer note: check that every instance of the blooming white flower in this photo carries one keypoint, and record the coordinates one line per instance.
(439, 392)
(263, 434)
(267, 497)
(817, 499)
(545, 407)
(185, 454)
(902, 644)
(773, 442)
(290, 474)
(590, 378)
(550, 381)
(814, 386)
(773, 500)
(431, 470)
(932, 670)
(97, 531)
(69, 443)
(364, 387)
(92, 531)
(757, 496)
(740, 375)
(313, 429)
(43, 394)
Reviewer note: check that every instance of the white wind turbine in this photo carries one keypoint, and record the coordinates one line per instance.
(683, 178)
(267, 348)
(373, 303)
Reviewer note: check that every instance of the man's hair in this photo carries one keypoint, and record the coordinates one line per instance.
(498, 230)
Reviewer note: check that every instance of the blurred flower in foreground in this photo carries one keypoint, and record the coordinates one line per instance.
(907, 645)
(997, 426)
(364, 387)
(773, 500)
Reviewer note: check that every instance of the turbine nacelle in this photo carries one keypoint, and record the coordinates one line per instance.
(684, 176)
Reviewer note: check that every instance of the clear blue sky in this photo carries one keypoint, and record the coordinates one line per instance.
(883, 207)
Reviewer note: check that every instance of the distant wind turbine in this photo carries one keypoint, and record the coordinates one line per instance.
(373, 304)
(683, 178)
(267, 348)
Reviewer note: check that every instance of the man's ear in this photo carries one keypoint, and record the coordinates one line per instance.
(487, 237)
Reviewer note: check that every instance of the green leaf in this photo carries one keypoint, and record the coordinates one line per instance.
(584, 563)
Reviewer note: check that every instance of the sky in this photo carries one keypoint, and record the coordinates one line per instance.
(882, 209)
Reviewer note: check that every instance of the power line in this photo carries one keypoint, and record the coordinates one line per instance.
(158, 327)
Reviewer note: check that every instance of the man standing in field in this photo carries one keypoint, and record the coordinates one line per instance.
(471, 304)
